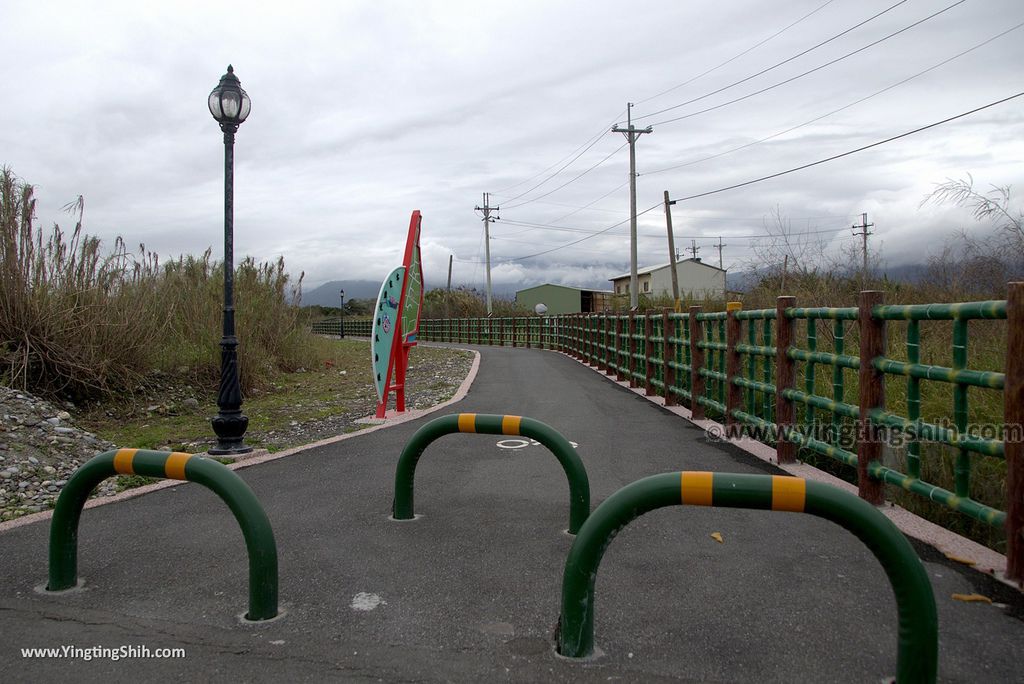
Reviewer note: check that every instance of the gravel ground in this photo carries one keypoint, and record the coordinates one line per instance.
(40, 446)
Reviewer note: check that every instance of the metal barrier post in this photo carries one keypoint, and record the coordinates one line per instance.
(259, 537)
(917, 644)
(481, 423)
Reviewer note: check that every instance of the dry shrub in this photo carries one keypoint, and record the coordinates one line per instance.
(79, 324)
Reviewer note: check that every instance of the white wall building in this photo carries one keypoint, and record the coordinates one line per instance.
(697, 281)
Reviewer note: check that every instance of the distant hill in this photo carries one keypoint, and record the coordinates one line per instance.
(328, 293)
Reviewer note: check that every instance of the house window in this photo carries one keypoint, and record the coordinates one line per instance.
(647, 286)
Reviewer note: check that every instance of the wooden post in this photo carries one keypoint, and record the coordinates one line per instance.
(577, 349)
(785, 378)
(591, 340)
(872, 395)
(620, 373)
(1013, 407)
(733, 369)
(602, 339)
(668, 354)
(631, 348)
(648, 354)
(696, 364)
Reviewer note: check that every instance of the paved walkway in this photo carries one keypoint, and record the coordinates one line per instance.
(471, 590)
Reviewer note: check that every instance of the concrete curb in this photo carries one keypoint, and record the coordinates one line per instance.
(391, 419)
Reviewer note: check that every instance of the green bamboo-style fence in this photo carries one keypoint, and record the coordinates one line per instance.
(353, 327)
(750, 371)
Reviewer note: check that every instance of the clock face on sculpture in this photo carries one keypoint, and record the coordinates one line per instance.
(385, 324)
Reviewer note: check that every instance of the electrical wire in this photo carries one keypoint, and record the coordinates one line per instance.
(849, 152)
(810, 71)
(734, 58)
(677, 236)
(835, 111)
(591, 141)
(572, 180)
(770, 176)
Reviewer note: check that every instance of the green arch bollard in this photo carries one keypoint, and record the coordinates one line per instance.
(917, 645)
(489, 424)
(259, 537)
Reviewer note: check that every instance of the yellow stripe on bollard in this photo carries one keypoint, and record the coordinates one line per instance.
(174, 466)
(467, 422)
(695, 488)
(788, 493)
(510, 425)
(123, 461)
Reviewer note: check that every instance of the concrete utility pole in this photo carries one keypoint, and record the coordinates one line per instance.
(720, 246)
(864, 225)
(693, 248)
(487, 242)
(672, 252)
(632, 133)
(448, 293)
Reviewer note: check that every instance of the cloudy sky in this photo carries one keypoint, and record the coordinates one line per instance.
(365, 110)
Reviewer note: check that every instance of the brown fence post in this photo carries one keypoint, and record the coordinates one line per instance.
(631, 348)
(1013, 407)
(785, 378)
(576, 350)
(696, 364)
(872, 396)
(648, 354)
(588, 326)
(668, 354)
(620, 374)
(733, 392)
(602, 339)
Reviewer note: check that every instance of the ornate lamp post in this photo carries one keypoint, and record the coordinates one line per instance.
(342, 314)
(230, 106)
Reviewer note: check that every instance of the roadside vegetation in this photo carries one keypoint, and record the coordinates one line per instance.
(132, 341)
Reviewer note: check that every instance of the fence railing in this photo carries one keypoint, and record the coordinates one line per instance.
(356, 327)
(752, 372)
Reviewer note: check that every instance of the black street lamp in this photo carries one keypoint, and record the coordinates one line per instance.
(342, 314)
(230, 106)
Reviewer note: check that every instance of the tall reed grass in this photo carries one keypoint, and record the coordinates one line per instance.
(77, 322)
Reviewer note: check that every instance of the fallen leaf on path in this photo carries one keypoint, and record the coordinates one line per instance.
(972, 598)
(958, 559)
(717, 536)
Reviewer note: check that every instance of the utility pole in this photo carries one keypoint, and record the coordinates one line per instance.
(693, 248)
(632, 133)
(448, 294)
(864, 225)
(720, 246)
(487, 242)
(672, 252)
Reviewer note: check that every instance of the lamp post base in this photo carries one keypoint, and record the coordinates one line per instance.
(230, 428)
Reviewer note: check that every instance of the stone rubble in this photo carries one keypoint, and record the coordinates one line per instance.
(39, 450)
(40, 447)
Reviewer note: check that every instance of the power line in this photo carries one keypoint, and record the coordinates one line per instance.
(572, 180)
(586, 145)
(734, 58)
(811, 71)
(836, 111)
(849, 152)
(588, 231)
(777, 65)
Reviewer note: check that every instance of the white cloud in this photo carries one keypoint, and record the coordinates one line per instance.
(364, 111)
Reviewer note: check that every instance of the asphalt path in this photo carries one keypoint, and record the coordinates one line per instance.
(470, 590)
